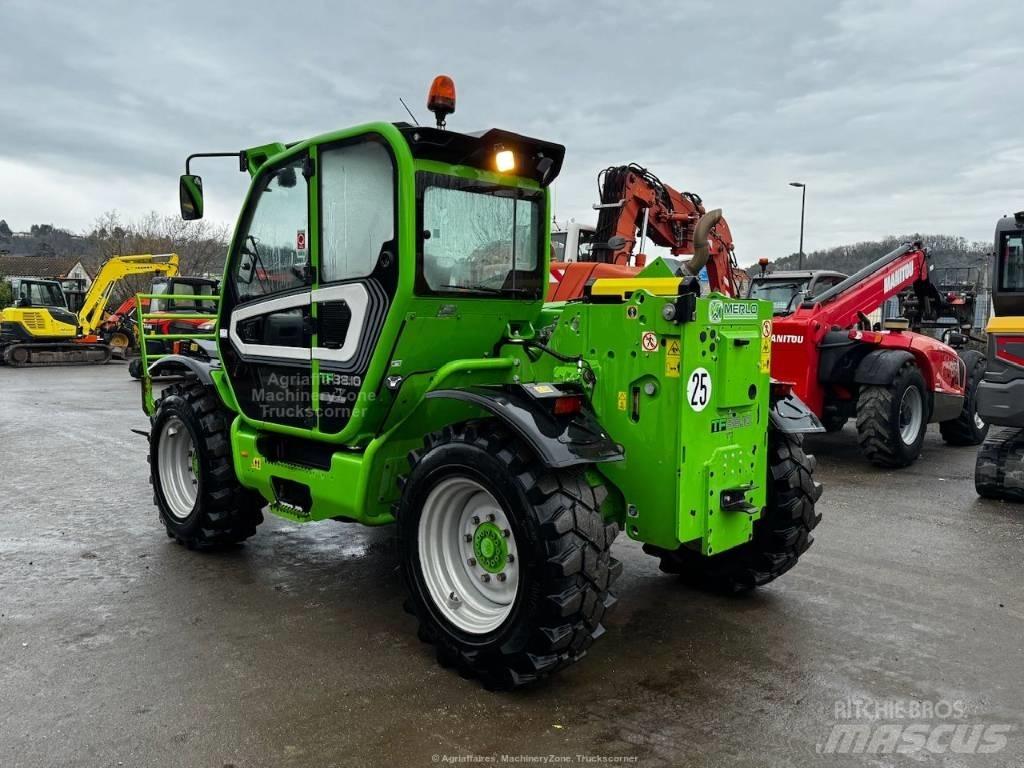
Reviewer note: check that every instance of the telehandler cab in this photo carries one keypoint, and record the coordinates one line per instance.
(386, 356)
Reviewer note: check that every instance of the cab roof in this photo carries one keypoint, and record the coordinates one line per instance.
(799, 274)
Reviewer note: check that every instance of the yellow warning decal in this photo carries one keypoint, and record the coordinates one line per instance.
(257, 463)
(622, 401)
(672, 358)
(543, 389)
(766, 354)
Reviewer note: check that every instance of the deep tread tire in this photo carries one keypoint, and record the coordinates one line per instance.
(963, 430)
(135, 367)
(781, 535)
(567, 571)
(878, 418)
(225, 512)
(999, 469)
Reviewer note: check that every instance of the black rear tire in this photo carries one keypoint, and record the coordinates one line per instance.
(564, 567)
(878, 419)
(999, 468)
(781, 535)
(964, 429)
(135, 367)
(224, 512)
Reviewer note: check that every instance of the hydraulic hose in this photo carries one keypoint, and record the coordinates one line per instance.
(700, 242)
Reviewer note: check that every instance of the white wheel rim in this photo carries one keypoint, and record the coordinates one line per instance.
(177, 463)
(464, 591)
(911, 415)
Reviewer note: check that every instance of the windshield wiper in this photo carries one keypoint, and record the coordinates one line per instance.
(487, 289)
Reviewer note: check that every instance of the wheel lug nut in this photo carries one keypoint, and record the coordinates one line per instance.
(471, 561)
(491, 517)
(506, 533)
(485, 578)
(511, 557)
(468, 537)
(502, 577)
(476, 520)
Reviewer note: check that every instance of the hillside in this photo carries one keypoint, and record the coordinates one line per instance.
(946, 251)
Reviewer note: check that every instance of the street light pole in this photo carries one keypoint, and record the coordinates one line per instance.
(803, 205)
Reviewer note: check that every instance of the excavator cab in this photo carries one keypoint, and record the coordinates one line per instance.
(29, 292)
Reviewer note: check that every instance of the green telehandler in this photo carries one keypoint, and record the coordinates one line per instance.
(386, 356)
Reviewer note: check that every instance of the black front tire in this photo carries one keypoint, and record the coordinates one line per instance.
(565, 568)
(135, 367)
(878, 419)
(781, 535)
(224, 512)
(999, 468)
(965, 430)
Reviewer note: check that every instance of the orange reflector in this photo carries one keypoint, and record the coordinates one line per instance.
(871, 337)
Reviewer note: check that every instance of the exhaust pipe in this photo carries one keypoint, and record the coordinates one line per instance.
(700, 242)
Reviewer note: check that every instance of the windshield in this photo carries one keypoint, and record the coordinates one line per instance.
(479, 238)
(41, 294)
(1011, 262)
(779, 292)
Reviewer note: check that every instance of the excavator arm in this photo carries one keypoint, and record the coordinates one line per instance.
(114, 270)
(635, 204)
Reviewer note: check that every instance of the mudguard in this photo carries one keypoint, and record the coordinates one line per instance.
(557, 440)
(166, 366)
(789, 414)
(880, 365)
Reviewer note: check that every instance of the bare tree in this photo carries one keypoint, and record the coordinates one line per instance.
(201, 246)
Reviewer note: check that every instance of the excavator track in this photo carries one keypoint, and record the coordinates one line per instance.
(29, 355)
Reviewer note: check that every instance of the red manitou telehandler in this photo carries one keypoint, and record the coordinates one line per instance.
(892, 380)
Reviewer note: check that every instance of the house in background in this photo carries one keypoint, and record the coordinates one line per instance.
(73, 276)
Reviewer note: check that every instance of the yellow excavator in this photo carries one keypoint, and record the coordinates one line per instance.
(39, 329)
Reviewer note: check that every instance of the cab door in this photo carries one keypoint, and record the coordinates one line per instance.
(357, 271)
(267, 329)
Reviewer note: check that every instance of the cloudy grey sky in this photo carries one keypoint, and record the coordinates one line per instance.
(900, 116)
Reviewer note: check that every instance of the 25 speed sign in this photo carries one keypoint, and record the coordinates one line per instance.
(698, 389)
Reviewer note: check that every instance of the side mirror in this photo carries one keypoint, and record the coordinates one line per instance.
(190, 196)
(246, 269)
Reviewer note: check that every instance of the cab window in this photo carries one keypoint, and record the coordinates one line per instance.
(273, 253)
(478, 238)
(1011, 262)
(357, 200)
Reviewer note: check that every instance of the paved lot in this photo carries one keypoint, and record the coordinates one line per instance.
(118, 647)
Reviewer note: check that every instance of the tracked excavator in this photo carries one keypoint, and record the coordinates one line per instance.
(40, 330)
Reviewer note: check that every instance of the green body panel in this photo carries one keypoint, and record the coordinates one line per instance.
(678, 458)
